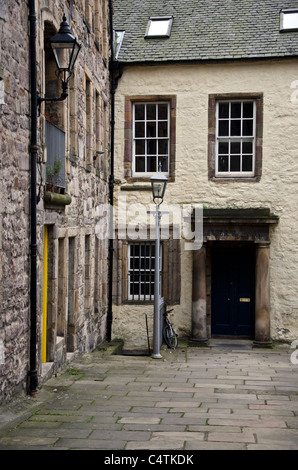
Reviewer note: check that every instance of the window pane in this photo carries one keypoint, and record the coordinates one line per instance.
(143, 263)
(135, 263)
(248, 110)
(163, 129)
(164, 164)
(223, 163)
(163, 111)
(149, 250)
(151, 147)
(248, 127)
(151, 112)
(140, 147)
(247, 163)
(134, 286)
(140, 112)
(246, 147)
(223, 128)
(235, 163)
(235, 147)
(152, 252)
(223, 110)
(134, 250)
(223, 148)
(139, 129)
(140, 164)
(289, 20)
(163, 147)
(151, 129)
(151, 164)
(143, 292)
(236, 110)
(236, 128)
(148, 264)
(159, 27)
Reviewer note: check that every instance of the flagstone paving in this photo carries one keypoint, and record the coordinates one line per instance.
(229, 396)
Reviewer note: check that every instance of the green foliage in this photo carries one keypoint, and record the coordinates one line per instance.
(52, 172)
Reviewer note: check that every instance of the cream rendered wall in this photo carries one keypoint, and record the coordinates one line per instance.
(277, 189)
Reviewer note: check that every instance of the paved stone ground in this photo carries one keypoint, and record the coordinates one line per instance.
(228, 397)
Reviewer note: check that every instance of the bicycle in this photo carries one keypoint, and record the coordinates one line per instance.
(170, 337)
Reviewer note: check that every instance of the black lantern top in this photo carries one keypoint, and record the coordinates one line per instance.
(158, 183)
(65, 48)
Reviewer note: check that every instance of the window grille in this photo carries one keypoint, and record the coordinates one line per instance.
(55, 143)
(141, 271)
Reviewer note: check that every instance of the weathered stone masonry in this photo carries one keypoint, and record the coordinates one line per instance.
(14, 199)
(72, 260)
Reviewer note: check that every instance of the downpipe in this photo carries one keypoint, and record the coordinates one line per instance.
(115, 75)
(32, 373)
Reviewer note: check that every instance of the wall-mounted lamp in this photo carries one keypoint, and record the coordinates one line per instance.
(66, 49)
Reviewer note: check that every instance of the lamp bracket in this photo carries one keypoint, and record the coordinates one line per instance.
(63, 96)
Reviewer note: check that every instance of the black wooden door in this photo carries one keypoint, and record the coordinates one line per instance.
(233, 292)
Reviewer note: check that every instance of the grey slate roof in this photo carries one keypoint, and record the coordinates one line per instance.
(205, 30)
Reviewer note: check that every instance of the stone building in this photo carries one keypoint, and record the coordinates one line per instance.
(73, 177)
(209, 92)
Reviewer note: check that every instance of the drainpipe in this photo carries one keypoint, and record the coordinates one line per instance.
(32, 374)
(115, 74)
(111, 182)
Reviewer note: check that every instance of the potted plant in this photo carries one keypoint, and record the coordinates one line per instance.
(52, 174)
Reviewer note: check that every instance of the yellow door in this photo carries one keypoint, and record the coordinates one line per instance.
(45, 297)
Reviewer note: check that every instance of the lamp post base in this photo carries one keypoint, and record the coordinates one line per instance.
(156, 356)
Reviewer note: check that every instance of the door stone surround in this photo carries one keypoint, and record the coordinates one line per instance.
(233, 227)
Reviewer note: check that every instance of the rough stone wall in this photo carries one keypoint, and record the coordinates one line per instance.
(276, 190)
(87, 173)
(14, 198)
(86, 184)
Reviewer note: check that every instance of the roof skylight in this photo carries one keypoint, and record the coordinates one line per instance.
(159, 27)
(289, 20)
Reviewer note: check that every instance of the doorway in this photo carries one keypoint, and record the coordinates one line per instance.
(233, 291)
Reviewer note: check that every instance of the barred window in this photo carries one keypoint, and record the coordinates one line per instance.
(141, 271)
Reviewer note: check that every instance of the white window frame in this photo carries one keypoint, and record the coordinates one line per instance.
(141, 297)
(235, 174)
(144, 174)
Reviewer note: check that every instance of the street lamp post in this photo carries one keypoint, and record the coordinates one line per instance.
(158, 183)
(65, 48)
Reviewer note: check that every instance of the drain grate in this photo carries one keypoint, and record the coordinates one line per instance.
(134, 352)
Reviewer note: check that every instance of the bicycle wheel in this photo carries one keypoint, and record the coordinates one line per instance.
(170, 337)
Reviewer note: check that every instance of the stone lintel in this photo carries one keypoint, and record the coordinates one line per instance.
(238, 224)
